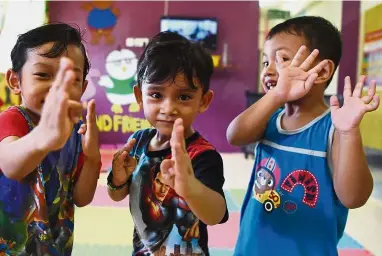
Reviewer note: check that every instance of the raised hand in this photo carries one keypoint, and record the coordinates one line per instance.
(59, 112)
(177, 172)
(89, 132)
(297, 78)
(123, 164)
(348, 117)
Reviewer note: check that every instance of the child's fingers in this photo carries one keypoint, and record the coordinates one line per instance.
(65, 64)
(374, 104)
(91, 118)
(126, 148)
(129, 145)
(334, 103)
(308, 62)
(167, 172)
(91, 115)
(62, 110)
(317, 69)
(75, 110)
(82, 129)
(347, 88)
(121, 158)
(299, 57)
(370, 93)
(69, 79)
(358, 87)
(310, 81)
(280, 63)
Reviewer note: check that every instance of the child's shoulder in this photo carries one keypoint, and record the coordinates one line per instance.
(198, 145)
(13, 123)
(11, 112)
(141, 134)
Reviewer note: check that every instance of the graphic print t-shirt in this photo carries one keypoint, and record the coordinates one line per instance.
(164, 224)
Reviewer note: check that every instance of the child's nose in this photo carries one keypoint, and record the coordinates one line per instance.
(271, 69)
(168, 107)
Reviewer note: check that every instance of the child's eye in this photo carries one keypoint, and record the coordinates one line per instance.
(42, 75)
(155, 95)
(285, 59)
(265, 63)
(184, 97)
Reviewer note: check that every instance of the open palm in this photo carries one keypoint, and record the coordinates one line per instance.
(349, 116)
(296, 79)
(177, 171)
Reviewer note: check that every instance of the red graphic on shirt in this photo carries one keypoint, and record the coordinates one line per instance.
(308, 181)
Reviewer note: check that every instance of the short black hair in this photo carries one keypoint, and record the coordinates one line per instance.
(60, 33)
(319, 34)
(168, 54)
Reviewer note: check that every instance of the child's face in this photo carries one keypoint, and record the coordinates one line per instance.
(164, 103)
(288, 46)
(38, 74)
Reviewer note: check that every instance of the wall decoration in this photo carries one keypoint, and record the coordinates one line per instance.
(102, 18)
(372, 51)
(137, 42)
(121, 67)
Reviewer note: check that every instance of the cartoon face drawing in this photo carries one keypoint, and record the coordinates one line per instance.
(264, 181)
(121, 65)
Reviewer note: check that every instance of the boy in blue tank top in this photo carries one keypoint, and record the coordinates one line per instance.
(310, 167)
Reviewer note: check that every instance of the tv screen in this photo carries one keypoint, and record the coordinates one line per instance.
(202, 30)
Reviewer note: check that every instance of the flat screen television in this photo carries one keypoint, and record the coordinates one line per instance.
(202, 30)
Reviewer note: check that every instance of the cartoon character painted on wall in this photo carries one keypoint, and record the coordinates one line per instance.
(266, 180)
(102, 18)
(121, 67)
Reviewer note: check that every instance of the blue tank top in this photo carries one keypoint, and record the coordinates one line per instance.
(290, 207)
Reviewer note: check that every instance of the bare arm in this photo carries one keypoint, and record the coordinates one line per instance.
(352, 179)
(208, 205)
(20, 156)
(249, 126)
(353, 182)
(87, 182)
(295, 80)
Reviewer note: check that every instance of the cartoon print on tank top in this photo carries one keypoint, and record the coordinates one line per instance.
(267, 192)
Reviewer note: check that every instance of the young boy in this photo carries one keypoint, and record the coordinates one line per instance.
(173, 175)
(49, 161)
(310, 166)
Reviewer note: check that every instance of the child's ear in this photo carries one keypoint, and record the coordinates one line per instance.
(13, 82)
(206, 101)
(138, 95)
(84, 86)
(326, 73)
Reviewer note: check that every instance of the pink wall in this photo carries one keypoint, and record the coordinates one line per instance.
(238, 27)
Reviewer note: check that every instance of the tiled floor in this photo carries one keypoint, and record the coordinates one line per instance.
(105, 227)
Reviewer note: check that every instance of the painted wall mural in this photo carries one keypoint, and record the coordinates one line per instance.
(102, 18)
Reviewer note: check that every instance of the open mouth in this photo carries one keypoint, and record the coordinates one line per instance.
(270, 85)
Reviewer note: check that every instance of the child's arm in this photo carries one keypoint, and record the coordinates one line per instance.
(208, 205)
(352, 179)
(20, 156)
(122, 168)
(296, 78)
(86, 184)
(249, 126)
